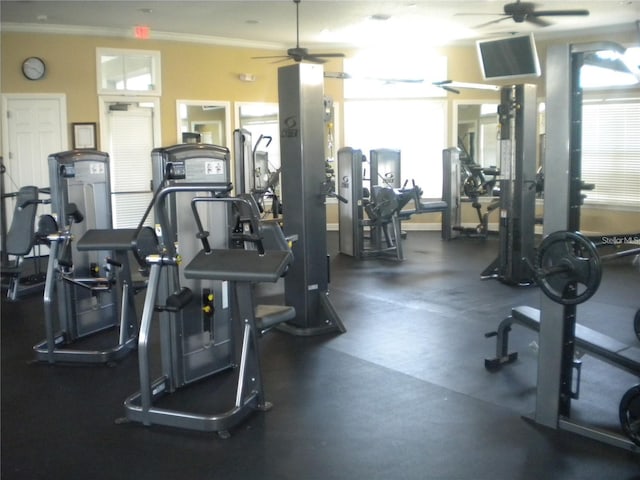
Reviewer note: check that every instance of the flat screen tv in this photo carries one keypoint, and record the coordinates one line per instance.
(508, 58)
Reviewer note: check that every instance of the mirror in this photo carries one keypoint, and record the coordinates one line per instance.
(262, 169)
(204, 121)
(261, 119)
(477, 132)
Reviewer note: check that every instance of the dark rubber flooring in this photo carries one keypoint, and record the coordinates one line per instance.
(402, 395)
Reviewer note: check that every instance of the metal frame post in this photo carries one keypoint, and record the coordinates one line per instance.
(301, 114)
(451, 217)
(556, 217)
(350, 214)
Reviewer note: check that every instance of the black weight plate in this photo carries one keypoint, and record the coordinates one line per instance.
(567, 261)
(630, 414)
(386, 202)
(636, 324)
(146, 244)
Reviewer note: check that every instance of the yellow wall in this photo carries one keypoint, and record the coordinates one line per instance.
(209, 72)
(193, 71)
(189, 71)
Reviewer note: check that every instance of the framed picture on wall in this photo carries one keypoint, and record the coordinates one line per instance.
(84, 136)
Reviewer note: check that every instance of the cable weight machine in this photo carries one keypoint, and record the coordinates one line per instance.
(568, 269)
(517, 115)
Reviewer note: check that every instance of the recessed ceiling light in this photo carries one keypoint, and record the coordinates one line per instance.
(380, 16)
(146, 10)
(251, 22)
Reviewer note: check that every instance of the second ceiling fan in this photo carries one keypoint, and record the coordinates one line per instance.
(300, 54)
(526, 12)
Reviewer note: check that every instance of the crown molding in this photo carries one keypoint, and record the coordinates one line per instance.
(128, 33)
(540, 35)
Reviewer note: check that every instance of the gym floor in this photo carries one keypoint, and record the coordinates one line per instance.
(402, 395)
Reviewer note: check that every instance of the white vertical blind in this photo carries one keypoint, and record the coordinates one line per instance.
(131, 143)
(611, 152)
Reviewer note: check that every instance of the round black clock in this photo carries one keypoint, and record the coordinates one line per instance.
(33, 68)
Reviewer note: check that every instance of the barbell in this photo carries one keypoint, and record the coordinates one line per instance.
(568, 267)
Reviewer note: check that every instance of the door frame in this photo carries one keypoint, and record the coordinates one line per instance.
(103, 111)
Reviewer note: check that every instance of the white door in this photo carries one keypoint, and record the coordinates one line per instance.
(35, 127)
(130, 139)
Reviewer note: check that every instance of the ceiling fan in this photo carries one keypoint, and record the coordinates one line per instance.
(300, 54)
(526, 12)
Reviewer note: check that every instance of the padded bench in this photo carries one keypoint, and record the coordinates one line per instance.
(239, 265)
(248, 266)
(425, 207)
(141, 242)
(435, 206)
(588, 340)
(115, 239)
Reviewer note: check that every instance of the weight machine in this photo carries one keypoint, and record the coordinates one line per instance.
(568, 269)
(461, 175)
(203, 306)
(378, 233)
(89, 287)
(21, 239)
(518, 139)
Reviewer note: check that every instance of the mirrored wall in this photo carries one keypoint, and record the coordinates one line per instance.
(477, 132)
(204, 121)
(261, 119)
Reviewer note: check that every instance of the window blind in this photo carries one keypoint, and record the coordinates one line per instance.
(611, 152)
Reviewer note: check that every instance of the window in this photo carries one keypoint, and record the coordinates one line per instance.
(389, 75)
(415, 127)
(128, 71)
(391, 103)
(611, 151)
(611, 126)
(610, 68)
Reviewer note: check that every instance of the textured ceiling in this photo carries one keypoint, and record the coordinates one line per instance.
(323, 23)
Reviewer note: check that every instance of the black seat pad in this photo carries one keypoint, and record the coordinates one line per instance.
(239, 265)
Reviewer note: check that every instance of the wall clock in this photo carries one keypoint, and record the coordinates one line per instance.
(33, 68)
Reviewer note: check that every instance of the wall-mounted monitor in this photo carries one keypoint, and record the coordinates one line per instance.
(508, 58)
